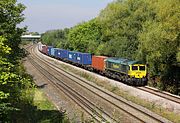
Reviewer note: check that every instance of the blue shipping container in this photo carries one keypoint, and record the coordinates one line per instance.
(53, 51)
(61, 53)
(81, 58)
(49, 49)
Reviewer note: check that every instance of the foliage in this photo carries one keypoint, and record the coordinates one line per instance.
(57, 38)
(145, 30)
(4, 107)
(13, 80)
(85, 37)
(122, 21)
(11, 15)
(5, 67)
(39, 111)
(160, 41)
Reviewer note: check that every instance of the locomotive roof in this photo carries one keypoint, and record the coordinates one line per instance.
(121, 61)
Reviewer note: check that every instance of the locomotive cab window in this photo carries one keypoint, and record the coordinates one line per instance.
(142, 68)
(134, 67)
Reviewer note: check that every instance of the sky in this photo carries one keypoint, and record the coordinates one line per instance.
(44, 15)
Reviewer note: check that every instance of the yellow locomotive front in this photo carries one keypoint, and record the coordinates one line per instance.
(138, 73)
(128, 71)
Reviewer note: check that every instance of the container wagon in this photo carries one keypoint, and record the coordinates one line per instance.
(53, 52)
(80, 58)
(127, 71)
(40, 46)
(61, 53)
(45, 49)
(98, 63)
(49, 50)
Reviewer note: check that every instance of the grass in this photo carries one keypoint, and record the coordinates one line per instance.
(40, 110)
(41, 101)
(51, 114)
(149, 105)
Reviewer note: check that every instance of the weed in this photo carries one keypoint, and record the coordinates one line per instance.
(105, 84)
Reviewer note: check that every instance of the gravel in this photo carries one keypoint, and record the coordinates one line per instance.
(61, 102)
(159, 101)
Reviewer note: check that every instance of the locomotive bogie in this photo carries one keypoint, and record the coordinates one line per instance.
(124, 70)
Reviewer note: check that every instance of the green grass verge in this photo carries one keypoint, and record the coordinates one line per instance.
(41, 101)
(39, 110)
(149, 105)
(48, 112)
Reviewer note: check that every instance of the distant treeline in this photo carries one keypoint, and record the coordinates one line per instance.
(145, 30)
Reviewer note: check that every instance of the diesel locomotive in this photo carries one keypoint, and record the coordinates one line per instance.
(127, 71)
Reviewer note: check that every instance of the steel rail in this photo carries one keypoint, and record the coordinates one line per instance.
(155, 118)
(75, 97)
(164, 95)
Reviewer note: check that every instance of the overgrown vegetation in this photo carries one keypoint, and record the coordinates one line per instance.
(16, 86)
(39, 111)
(167, 113)
(145, 30)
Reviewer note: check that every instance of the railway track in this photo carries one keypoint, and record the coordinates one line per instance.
(165, 95)
(83, 102)
(143, 115)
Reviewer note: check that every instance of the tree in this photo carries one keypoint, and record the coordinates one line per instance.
(12, 81)
(4, 50)
(56, 38)
(85, 37)
(10, 16)
(7, 79)
(146, 30)
(122, 21)
(159, 41)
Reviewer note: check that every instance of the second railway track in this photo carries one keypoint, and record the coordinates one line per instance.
(139, 113)
(165, 95)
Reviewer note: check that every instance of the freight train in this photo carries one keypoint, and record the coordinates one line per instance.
(131, 72)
